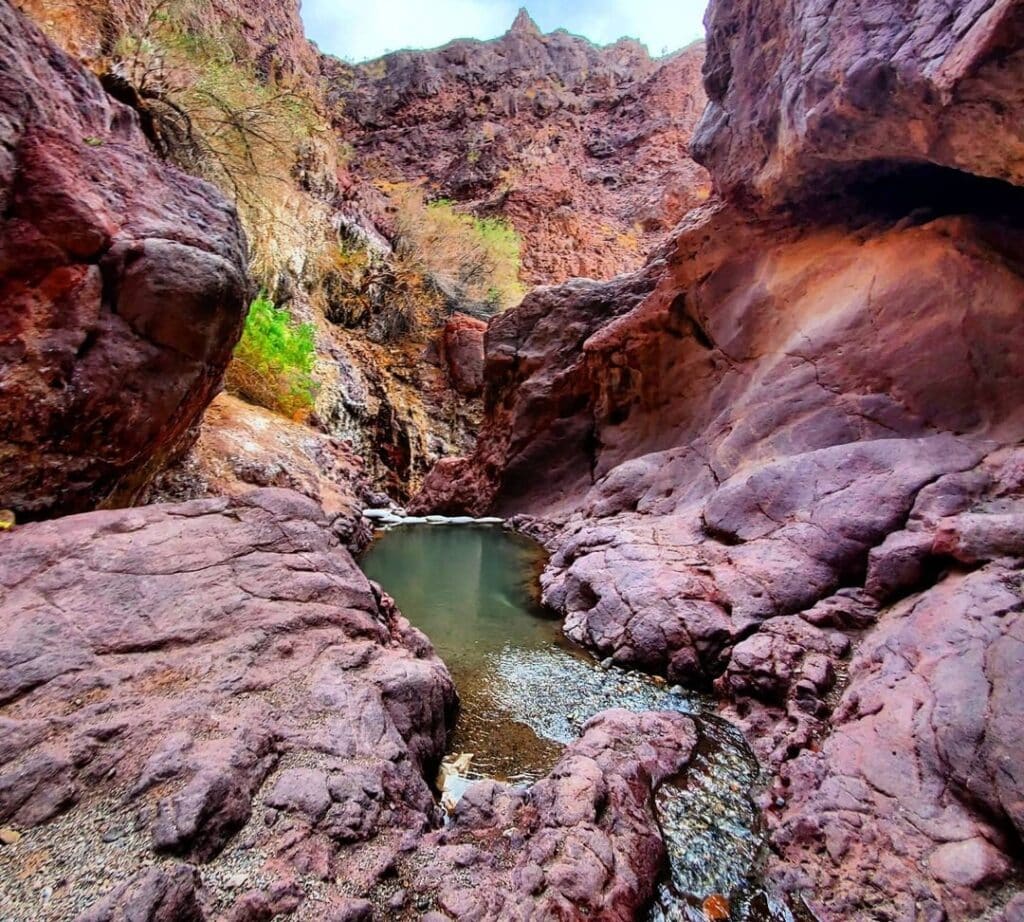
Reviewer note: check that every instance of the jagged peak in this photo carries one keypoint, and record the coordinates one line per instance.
(524, 23)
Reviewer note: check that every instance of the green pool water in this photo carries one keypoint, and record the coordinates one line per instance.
(473, 591)
(526, 692)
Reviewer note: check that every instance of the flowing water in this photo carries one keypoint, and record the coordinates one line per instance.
(526, 692)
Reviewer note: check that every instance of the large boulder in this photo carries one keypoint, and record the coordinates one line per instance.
(122, 288)
(845, 90)
(214, 681)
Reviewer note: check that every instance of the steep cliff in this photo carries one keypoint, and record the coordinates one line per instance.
(783, 459)
(583, 148)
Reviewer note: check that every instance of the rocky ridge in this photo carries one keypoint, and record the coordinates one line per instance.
(781, 459)
(583, 148)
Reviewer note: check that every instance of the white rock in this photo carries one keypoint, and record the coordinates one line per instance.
(376, 513)
(462, 520)
(438, 519)
(488, 520)
(414, 520)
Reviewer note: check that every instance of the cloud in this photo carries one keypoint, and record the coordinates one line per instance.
(363, 29)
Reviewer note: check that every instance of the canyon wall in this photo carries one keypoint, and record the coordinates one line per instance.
(122, 289)
(206, 710)
(782, 458)
(583, 148)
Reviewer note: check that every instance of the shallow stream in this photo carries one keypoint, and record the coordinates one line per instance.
(526, 692)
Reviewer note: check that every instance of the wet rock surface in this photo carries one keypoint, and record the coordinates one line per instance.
(122, 289)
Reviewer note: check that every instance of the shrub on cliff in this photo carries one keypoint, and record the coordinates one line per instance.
(273, 361)
(478, 258)
(206, 107)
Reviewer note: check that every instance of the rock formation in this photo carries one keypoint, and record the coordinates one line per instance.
(122, 289)
(583, 148)
(782, 456)
(210, 713)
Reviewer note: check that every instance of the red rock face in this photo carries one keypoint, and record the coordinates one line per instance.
(781, 458)
(845, 89)
(582, 148)
(462, 347)
(269, 35)
(122, 288)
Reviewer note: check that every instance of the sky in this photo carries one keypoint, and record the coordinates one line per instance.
(358, 30)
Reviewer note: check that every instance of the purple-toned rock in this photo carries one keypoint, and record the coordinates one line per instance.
(215, 680)
(122, 289)
(582, 842)
(845, 89)
(930, 726)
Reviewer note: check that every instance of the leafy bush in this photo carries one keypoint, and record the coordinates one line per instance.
(273, 361)
(478, 257)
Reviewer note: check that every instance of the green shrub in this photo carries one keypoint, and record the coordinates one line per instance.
(273, 361)
(480, 257)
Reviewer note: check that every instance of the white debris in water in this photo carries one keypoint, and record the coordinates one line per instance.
(395, 516)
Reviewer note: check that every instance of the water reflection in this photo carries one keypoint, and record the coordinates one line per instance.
(526, 692)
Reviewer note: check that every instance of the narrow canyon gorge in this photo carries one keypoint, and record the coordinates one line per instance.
(709, 368)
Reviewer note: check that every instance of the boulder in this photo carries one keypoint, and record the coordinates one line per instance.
(213, 681)
(582, 842)
(846, 91)
(122, 289)
(462, 349)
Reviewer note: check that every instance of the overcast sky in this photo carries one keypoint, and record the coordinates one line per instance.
(363, 29)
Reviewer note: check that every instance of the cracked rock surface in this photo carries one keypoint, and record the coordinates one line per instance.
(781, 461)
(122, 288)
(207, 712)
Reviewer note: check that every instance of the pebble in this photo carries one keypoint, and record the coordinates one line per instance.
(9, 836)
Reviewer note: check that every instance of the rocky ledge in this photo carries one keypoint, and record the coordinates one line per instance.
(208, 712)
(782, 461)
